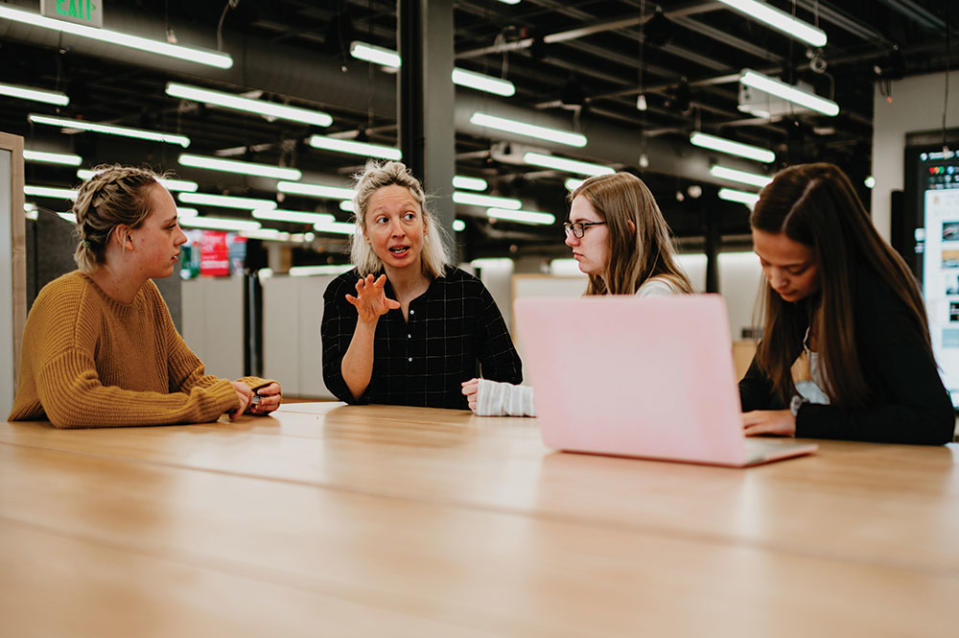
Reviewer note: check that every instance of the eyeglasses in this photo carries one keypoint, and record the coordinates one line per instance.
(578, 229)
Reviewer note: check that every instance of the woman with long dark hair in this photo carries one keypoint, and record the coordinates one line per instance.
(845, 352)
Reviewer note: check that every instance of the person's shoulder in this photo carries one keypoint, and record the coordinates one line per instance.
(658, 287)
(453, 274)
(66, 289)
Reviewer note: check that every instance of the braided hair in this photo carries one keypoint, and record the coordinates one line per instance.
(114, 195)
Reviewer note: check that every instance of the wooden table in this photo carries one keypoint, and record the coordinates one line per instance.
(327, 520)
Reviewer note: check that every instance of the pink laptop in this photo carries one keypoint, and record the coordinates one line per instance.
(650, 378)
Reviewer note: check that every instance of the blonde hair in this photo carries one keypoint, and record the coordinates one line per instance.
(375, 176)
(114, 195)
(635, 256)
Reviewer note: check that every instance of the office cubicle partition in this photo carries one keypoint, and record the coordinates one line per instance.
(13, 283)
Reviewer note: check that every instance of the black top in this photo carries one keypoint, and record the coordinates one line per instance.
(454, 328)
(908, 403)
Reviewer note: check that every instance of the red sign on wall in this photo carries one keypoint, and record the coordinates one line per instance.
(214, 254)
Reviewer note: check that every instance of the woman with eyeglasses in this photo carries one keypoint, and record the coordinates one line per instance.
(621, 240)
(845, 352)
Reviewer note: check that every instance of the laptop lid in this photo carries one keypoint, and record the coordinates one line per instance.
(647, 377)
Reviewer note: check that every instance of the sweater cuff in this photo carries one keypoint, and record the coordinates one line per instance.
(496, 398)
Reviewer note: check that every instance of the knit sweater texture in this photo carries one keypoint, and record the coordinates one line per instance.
(90, 361)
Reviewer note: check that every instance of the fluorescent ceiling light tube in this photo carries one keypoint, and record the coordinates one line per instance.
(376, 55)
(745, 177)
(70, 217)
(238, 103)
(731, 195)
(315, 190)
(459, 225)
(470, 183)
(296, 217)
(189, 54)
(347, 205)
(109, 129)
(266, 234)
(721, 144)
(511, 2)
(42, 157)
(488, 201)
(235, 166)
(219, 223)
(52, 193)
(307, 271)
(226, 201)
(36, 95)
(355, 148)
(30, 210)
(521, 216)
(338, 228)
(184, 213)
(572, 184)
(779, 20)
(482, 82)
(789, 92)
(166, 182)
(529, 130)
(564, 164)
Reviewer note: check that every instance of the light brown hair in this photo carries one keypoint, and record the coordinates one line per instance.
(115, 195)
(635, 256)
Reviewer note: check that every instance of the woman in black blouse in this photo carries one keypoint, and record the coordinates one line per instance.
(404, 327)
(845, 352)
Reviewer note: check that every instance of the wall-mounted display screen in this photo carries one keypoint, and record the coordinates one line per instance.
(932, 190)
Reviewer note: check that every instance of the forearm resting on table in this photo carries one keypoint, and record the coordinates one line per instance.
(357, 364)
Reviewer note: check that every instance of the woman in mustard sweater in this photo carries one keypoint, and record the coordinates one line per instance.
(99, 347)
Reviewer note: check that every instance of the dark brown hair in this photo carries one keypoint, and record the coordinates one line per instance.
(634, 257)
(816, 205)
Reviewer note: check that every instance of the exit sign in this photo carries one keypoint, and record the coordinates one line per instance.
(88, 12)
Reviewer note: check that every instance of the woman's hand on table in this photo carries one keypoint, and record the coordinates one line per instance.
(266, 399)
(471, 390)
(777, 422)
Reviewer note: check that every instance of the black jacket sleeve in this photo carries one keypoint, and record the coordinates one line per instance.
(498, 358)
(336, 332)
(756, 391)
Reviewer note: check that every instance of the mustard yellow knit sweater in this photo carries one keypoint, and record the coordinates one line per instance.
(90, 361)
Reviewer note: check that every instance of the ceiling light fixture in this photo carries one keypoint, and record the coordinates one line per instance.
(238, 103)
(35, 95)
(742, 197)
(169, 184)
(470, 79)
(226, 201)
(779, 20)
(184, 213)
(377, 55)
(337, 228)
(521, 216)
(189, 54)
(51, 192)
(564, 164)
(266, 234)
(355, 148)
(721, 144)
(326, 269)
(789, 92)
(735, 175)
(43, 157)
(486, 201)
(529, 130)
(293, 216)
(470, 183)
(109, 129)
(572, 184)
(315, 190)
(347, 205)
(219, 223)
(483, 82)
(243, 168)
(459, 225)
